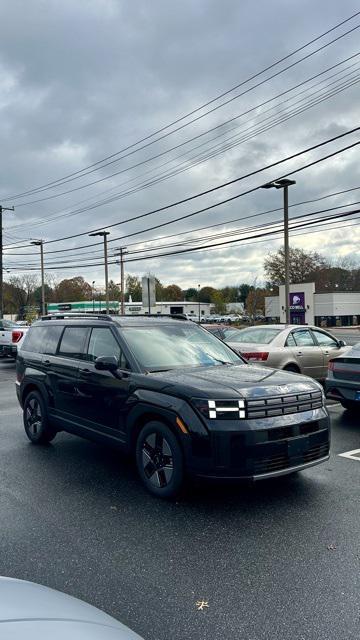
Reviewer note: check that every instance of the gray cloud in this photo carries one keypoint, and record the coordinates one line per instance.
(79, 81)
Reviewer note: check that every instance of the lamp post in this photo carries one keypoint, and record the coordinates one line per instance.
(284, 184)
(199, 286)
(93, 294)
(104, 235)
(40, 243)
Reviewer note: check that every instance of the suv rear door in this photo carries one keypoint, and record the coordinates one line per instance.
(63, 373)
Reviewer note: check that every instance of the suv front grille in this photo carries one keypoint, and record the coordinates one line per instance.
(284, 405)
(256, 453)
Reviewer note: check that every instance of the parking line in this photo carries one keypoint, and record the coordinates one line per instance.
(352, 455)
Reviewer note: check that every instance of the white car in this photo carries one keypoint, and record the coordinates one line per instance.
(11, 338)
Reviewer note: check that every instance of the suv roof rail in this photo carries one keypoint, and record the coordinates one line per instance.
(176, 316)
(63, 316)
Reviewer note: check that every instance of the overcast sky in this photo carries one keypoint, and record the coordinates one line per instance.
(81, 80)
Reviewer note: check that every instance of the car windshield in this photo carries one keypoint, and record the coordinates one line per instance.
(255, 335)
(167, 347)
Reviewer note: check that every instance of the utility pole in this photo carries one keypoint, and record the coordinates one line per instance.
(284, 184)
(40, 243)
(104, 235)
(1, 259)
(122, 251)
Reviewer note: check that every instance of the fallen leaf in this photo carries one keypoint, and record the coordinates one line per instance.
(201, 605)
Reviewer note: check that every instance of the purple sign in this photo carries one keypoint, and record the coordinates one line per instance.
(297, 301)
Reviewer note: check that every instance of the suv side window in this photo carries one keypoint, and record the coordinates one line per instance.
(303, 338)
(72, 342)
(103, 343)
(324, 340)
(53, 333)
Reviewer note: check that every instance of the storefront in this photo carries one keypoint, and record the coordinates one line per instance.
(330, 309)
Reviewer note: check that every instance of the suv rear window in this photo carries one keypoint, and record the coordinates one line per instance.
(42, 339)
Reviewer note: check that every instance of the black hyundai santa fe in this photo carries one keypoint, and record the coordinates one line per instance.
(172, 394)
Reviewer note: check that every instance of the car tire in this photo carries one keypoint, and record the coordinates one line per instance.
(350, 405)
(159, 460)
(292, 367)
(36, 422)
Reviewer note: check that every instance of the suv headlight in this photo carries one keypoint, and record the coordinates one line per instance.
(220, 409)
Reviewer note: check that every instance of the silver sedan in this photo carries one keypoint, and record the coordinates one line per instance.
(301, 348)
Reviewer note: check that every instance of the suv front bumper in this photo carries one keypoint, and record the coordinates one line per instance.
(255, 453)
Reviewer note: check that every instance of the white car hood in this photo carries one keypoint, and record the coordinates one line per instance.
(33, 612)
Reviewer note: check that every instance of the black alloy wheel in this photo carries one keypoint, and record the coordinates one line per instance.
(159, 460)
(36, 423)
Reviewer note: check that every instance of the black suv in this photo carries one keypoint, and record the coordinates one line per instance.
(168, 391)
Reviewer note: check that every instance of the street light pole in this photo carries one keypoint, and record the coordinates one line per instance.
(40, 243)
(122, 251)
(1, 259)
(284, 184)
(199, 286)
(104, 235)
(93, 295)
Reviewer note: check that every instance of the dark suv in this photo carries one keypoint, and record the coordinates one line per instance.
(171, 393)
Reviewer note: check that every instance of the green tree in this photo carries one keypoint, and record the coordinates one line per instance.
(219, 303)
(191, 294)
(133, 288)
(114, 291)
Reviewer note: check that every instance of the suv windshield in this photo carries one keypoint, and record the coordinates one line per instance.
(166, 347)
(262, 335)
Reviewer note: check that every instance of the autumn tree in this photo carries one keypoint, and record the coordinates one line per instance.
(73, 289)
(172, 293)
(255, 302)
(206, 294)
(303, 266)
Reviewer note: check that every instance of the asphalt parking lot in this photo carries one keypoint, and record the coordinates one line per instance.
(277, 560)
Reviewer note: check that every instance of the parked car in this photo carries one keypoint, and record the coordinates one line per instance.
(35, 612)
(165, 390)
(343, 379)
(11, 337)
(299, 348)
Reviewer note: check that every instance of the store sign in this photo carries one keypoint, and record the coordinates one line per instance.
(297, 301)
(64, 307)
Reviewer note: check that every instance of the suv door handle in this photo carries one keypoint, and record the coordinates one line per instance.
(47, 363)
(85, 372)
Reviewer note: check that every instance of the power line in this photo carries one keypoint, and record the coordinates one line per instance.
(254, 76)
(225, 184)
(212, 246)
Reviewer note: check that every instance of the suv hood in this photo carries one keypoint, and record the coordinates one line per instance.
(229, 380)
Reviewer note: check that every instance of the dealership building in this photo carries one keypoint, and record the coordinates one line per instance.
(193, 309)
(331, 309)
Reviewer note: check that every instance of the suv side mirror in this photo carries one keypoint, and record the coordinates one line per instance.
(106, 363)
(341, 343)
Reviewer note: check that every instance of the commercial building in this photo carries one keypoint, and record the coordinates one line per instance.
(193, 309)
(331, 309)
